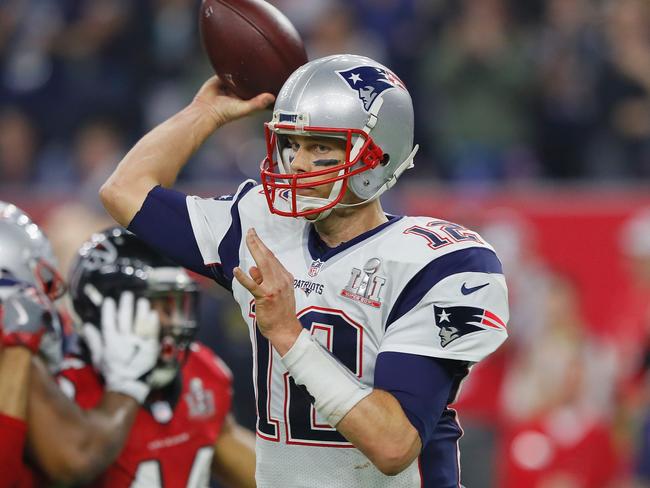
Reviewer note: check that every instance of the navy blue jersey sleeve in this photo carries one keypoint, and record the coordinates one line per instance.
(163, 222)
(423, 386)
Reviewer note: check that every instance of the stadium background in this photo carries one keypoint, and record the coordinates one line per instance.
(534, 122)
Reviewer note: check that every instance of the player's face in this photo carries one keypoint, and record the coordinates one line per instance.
(176, 312)
(308, 154)
(176, 315)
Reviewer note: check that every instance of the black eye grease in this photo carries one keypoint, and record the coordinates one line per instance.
(326, 162)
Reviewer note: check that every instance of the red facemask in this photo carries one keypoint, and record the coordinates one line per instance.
(279, 182)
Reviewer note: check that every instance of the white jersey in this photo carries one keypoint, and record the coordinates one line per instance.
(412, 285)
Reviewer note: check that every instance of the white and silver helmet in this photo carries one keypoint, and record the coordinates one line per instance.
(26, 258)
(348, 97)
(25, 252)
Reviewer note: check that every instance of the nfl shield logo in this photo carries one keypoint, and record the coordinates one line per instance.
(315, 267)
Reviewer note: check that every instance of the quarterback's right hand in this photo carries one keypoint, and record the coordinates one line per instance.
(25, 315)
(126, 349)
(224, 106)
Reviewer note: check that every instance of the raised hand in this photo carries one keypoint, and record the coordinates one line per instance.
(224, 105)
(272, 287)
(126, 349)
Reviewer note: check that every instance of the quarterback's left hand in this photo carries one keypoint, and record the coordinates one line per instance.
(272, 287)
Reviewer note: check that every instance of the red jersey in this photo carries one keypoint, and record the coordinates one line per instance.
(172, 440)
(14, 473)
(568, 449)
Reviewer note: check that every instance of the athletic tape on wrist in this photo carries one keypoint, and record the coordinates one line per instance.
(334, 388)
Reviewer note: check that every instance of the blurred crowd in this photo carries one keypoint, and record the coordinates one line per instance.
(504, 90)
(561, 405)
(532, 91)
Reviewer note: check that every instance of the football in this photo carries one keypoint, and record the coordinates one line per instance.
(251, 45)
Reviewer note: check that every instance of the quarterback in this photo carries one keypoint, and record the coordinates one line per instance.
(363, 324)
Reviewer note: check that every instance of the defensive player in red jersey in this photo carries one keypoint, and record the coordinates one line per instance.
(35, 413)
(24, 318)
(183, 433)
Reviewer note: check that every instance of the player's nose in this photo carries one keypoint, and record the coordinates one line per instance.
(300, 162)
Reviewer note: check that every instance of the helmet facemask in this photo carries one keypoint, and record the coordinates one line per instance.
(281, 183)
(177, 311)
(47, 278)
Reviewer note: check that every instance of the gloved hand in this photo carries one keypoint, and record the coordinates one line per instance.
(126, 349)
(25, 316)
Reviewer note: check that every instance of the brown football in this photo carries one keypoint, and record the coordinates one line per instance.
(251, 45)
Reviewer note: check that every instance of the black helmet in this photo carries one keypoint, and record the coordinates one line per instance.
(115, 261)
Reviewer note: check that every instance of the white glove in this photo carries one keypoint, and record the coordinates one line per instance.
(126, 350)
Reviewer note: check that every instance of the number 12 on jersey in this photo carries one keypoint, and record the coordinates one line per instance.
(343, 337)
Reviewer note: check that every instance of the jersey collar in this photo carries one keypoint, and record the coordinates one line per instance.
(319, 250)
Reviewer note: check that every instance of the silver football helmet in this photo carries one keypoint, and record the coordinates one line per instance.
(25, 252)
(26, 257)
(352, 98)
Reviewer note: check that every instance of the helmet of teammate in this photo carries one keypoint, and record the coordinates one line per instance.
(25, 252)
(27, 260)
(352, 98)
(115, 261)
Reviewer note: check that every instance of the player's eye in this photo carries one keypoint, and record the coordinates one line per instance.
(321, 148)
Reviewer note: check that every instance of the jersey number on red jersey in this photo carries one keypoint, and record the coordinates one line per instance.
(149, 473)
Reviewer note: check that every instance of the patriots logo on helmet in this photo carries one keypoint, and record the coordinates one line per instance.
(455, 322)
(370, 82)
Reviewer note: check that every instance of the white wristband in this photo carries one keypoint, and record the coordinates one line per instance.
(334, 388)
